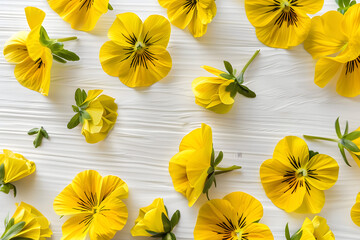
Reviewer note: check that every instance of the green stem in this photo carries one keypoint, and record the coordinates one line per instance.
(221, 170)
(66, 39)
(320, 138)
(250, 61)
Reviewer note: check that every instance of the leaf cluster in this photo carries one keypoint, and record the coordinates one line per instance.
(80, 109)
(210, 180)
(12, 229)
(57, 48)
(236, 86)
(40, 134)
(344, 5)
(345, 140)
(296, 236)
(5, 187)
(169, 225)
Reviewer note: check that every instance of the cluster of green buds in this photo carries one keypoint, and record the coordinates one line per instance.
(57, 47)
(296, 236)
(215, 170)
(169, 225)
(344, 141)
(5, 187)
(344, 5)
(237, 86)
(12, 229)
(80, 109)
(40, 134)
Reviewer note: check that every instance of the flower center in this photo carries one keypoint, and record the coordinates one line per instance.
(139, 47)
(239, 234)
(301, 172)
(285, 5)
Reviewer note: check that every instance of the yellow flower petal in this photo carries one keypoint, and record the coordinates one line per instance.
(82, 15)
(179, 12)
(284, 195)
(322, 229)
(15, 50)
(75, 227)
(34, 16)
(355, 213)
(158, 28)
(325, 70)
(92, 94)
(327, 171)
(212, 70)
(348, 84)
(313, 202)
(351, 22)
(311, 6)
(257, 11)
(291, 148)
(206, 87)
(196, 26)
(206, 10)
(326, 36)
(16, 166)
(224, 95)
(258, 231)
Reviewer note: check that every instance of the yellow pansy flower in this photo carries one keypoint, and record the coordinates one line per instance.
(81, 14)
(136, 52)
(13, 167)
(336, 34)
(33, 53)
(234, 217)
(193, 169)
(355, 211)
(217, 93)
(194, 14)
(316, 229)
(153, 221)
(281, 23)
(295, 178)
(94, 205)
(27, 223)
(97, 114)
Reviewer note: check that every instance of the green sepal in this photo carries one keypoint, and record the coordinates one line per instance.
(287, 232)
(56, 47)
(2, 172)
(10, 223)
(166, 223)
(44, 37)
(232, 88)
(75, 108)
(175, 218)
(110, 7)
(212, 161)
(75, 120)
(33, 131)
(346, 128)
(312, 153)
(67, 55)
(13, 231)
(169, 236)
(59, 59)
(219, 158)
(226, 76)
(208, 183)
(337, 128)
(297, 235)
(6, 187)
(344, 5)
(155, 234)
(229, 68)
(6, 220)
(21, 238)
(349, 145)
(352, 136)
(342, 151)
(245, 91)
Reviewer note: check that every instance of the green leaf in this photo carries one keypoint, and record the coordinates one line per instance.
(38, 140)
(341, 147)
(12, 231)
(210, 170)
(219, 158)
(84, 95)
(155, 234)
(312, 153)
(208, 183)
(10, 224)
(67, 55)
(5, 188)
(56, 47)
(33, 131)
(58, 59)
(349, 145)
(75, 120)
(352, 136)
(337, 128)
(232, 88)
(2, 172)
(212, 161)
(79, 97)
(175, 219)
(229, 67)
(245, 91)
(85, 115)
(226, 76)
(44, 37)
(14, 189)
(110, 7)
(75, 108)
(346, 128)
(6, 220)
(44, 133)
(287, 232)
(297, 236)
(166, 223)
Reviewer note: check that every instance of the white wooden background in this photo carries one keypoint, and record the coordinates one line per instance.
(152, 121)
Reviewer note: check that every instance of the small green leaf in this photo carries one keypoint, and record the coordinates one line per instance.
(341, 147)
(33, 131)
(67, 55)
(2, 172)
(13, 231)
(245, 91)
(44, 133)
(21, 238)
(84, 95)
(38, 140)
(10, 224)
(75, 108)
(352, 136)
(44, 37)
(58, 59)
(110, 7)
(287, 232)
(346, 128)
(312, 153)
(337, 128)
(212, 161)
(85, 115)
(219, 158)
(229, 67)
(78, 97)
(210, 170)
(75, 120)
(56, 48)
(349, 145)
(226, 76)
(175, 219)
(6, 220)
(208, 183)
(166, 223)
(297, 236)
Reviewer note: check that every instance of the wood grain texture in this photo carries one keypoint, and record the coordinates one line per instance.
(152, 121)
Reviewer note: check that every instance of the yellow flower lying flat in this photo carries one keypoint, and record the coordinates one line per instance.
(193, 169)
(153, 221)
(13, 167)
(194, 14)
(33, 53)
(26, 223)
(282, 23)
(336, 34)
(217, 93)
(82, 15)
(97, 114)
(136, 52)
(94, 205)
(295, 178)
(234, 217)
